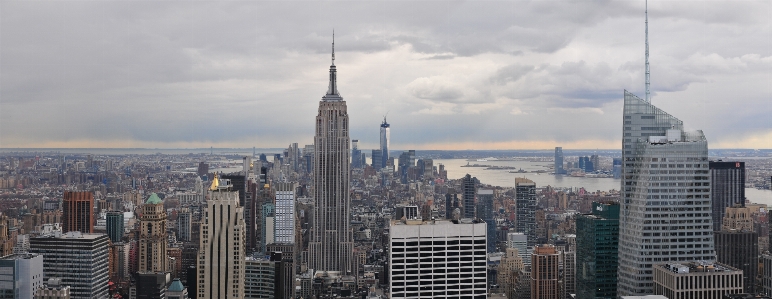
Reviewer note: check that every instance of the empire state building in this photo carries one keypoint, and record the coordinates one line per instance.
(331, 244)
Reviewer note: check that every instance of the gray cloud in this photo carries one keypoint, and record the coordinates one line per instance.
(181, 72)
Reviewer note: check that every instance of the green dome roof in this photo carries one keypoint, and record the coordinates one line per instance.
(153, 199)
(176, 286)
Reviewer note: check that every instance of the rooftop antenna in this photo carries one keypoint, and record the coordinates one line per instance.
(648, 73)
(333, 47)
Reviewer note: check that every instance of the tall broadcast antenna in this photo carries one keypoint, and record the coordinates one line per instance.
(648, 73)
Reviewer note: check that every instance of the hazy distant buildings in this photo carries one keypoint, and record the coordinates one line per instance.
(184, 225)
(78, 212)
(559, 161)
(376, 157)
(727, 188)
(331, 243)
(454, 266)
(451, 203)
(665, 203)
(356, 154)
(597, 250)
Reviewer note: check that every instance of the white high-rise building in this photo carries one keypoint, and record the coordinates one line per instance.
(665, 209)
(438, 259)
(331, 244)
(284, 215)
(221, 252)
(21, 275)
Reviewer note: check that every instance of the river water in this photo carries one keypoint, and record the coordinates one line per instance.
(500, 177)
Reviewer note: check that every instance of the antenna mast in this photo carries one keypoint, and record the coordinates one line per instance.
(648, 73)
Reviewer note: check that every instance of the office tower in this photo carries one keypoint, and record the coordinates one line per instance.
(375, 157)
(559, 161)
(467, 195)
(285, 213)
(511, 263)
(665, 199)
(119, 262)
(268, 227)
(451, 203)
(597, 250)
(203, 169)
(151, 285)
(78, 212)
(739, 249)
(22, 275)
(260, 278)
(485, 212)
(568, 275)
(545, 272)
(766, 276)
(586, 165)
(152, 236)
(356, 154)
(221, 251)
(114, 225)
(284, 284)
(331, 243)
(595, 160)
(525, 202)
(177, 290)
(454, 266)
(727, 188)
(53, 289)
(385, 137)
(184, 225)
(520, 241)
(702, 280)
(79, 260)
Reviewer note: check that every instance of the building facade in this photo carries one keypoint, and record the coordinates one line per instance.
(468, 192)
(78, 212)
(696, 280)
(740, 249)
(79, 260)
(285, 213)
(114, 226)
(727, 188)
(597, 250)
(453, 266)
(222, 249)
(152, 236)
(331, 244)
(184, 225)
(665, 203)
(485, 212)
(21, 275)
(525, 201)
(545, 273)
(559, 161)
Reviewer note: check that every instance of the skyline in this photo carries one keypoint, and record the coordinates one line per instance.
(451, 76)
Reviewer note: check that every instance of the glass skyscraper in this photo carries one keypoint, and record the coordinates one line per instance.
(597, 250)
(385, 136)
(665, 204)
(559, 161)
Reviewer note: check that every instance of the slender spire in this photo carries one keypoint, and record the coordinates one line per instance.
(333, 47)
(332, 89)
(648, 73)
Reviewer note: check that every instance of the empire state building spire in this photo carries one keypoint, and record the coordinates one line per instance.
(332, 90)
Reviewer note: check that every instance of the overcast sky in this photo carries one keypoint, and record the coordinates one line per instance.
(450, 75)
